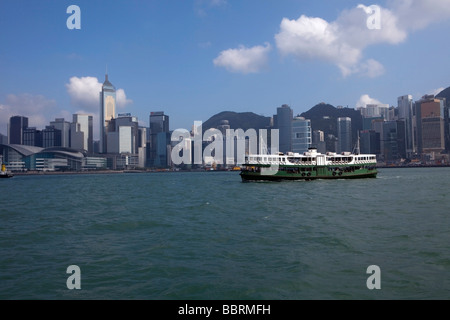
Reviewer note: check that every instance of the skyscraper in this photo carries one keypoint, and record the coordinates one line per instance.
(51, 137)
(318, 141)
(157, 144)
(430, 125)
(107, 111)
(123, 133)
(405, 113)
(81, 131)
(15, 129)
(63, 126)
(344, 128)
(283, 122)
(32, 137)
(301, 135)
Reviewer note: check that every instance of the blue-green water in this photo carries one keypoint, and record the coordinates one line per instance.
(210, 236)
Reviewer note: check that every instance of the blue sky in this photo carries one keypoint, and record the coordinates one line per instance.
(195, 58)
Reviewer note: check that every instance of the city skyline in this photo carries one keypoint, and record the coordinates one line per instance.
(197, 58)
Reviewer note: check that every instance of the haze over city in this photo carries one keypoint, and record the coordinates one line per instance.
(193, 59)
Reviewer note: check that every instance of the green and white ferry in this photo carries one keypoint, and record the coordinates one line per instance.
(310, 165)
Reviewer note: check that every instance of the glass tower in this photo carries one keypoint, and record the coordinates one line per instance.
(301, 135)
(283, 121)
(344, 126)
(17, 125)
(107, 111)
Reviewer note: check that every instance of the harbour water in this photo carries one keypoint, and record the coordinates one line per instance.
(207, 236)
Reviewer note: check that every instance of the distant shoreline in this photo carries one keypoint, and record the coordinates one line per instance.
(50, 173)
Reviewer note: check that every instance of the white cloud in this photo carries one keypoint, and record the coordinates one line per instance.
(365, 99)
(121, 99)
(418, 14)
(244, 60)
(84, 93)
(340, 42)
(37, 108)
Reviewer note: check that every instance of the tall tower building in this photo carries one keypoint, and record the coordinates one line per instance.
(63, 126)
(159, 139)
(16, 126)
(430, 125)
(344, 126)
(107, 112)
(301, 134)
(283, 122)
(405, 113)
(81, 133)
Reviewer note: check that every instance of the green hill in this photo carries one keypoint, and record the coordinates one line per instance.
(241, 120)
(324, 117)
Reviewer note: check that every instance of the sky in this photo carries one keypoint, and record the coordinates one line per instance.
(195, 58)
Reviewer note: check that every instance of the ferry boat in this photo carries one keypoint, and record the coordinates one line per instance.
(310, 165)
(4, 173)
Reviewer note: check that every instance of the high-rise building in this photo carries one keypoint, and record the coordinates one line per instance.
(107, 112)
(344, 129)
(301, 135)
(405, 113)
(123, 135)
(16, 126)
(318, 141)
(369, 142)
(81, 133)
(32, 137)
(394, 140)
(51, 137)
(375, 111)
(283, 122)
(63, 126)
(430, 125)
(157, 145)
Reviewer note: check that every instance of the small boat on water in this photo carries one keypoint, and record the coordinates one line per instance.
(310, 165)
(4, 173)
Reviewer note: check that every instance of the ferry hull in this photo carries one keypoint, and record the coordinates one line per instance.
(257, 176)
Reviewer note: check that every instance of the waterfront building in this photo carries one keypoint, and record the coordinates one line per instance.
(64, 127)
(370, 142)
(107, 112)
(344, 129)
(81, 133)
(16, 126)
(158, 141)
(32, 137)
(142, 146)
(405, 113)
(283, 122)
(51, 137)
(430, 125)
(394, 140)
(301, 135)
(318, 141)
(122, 135)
